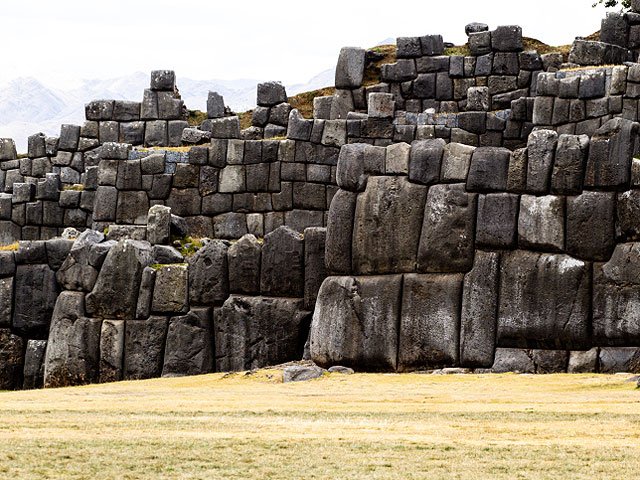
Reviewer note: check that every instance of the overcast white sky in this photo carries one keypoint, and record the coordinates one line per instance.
(61, 42)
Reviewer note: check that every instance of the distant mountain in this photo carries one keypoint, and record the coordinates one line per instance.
(28, 106)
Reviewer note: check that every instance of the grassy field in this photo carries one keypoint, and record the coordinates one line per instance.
(338, 427)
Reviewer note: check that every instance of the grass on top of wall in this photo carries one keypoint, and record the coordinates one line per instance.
(9, 248)
(362, 426)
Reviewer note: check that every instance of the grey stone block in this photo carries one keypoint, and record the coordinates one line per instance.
(479, 311)
(271, 93)
(380, 243)
(543, 301)
(282, 264)
(425, 161)
(446, 242)
(585, 361)
(215, 105)
(541, 222)
(429, 321)
(541, 148)
(610, 154)
(189, 345)
(144, 348)
(568, 168)
(497, 220)
(590, 225)
(356, 322)
(73, 349)
(253, 332)
(171, 292)
(35, 293)
(489, 169)
(244, 265)
(350, 67)
(208, 274)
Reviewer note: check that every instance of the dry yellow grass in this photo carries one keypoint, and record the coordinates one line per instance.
(338, 427)
(9, 248)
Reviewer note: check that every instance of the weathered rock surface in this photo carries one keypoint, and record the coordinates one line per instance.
(544, 301)
(35, 296)
(253, 332)
(380, 243)
(355, 322)
(244, 265)
(282, 264)
(11, 360)
(73, 348)
(479, 311)
(208, 274)
(115, 294)
(447, 239)
(301, 373)
(616, 298)
(111, 351)
(189, 347)
(144, 348)
(34, 364)
(430, 321)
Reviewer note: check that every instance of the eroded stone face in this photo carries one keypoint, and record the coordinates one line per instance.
(356, 322)
(544, 301)
(380, 244)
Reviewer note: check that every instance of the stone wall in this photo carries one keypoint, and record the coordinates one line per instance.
(98, 310)
(445, 255)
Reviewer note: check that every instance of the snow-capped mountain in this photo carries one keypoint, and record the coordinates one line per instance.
(28, 106)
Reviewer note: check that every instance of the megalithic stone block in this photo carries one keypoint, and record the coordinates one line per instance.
(355, 323)
(350, 67)
(447, 238)
(189, 346)
(479, 313)
(610, 155)
(73, 349)
(544, 301)
(616, 298)
(430, 321)
(381, 243)
(253, 332)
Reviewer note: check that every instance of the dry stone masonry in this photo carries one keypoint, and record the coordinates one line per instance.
(478, 211)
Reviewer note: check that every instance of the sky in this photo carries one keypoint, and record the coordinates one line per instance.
(65, 41)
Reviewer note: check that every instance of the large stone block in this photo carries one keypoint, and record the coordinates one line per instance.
(115, 293)
(430, 321)
(619, 360)
(478, 317)
(544, 301)
(541, 148)
(35, 296)
(447, 239)
(254, 332)
(189, 347)
(34, 364)
(616, 298)
(610, 154)
(568, 168)
(244, 265)
(340, 231)
(456, 160)
(73, 349)
(314, 264)
(381, 242)
(425, 160)
(497, 220)
(132, 208)
(11, 360)
(76, 272)
(208, 274)
(513, 360)
(144, 348)
(507, 38)
(355, 323)
(171, 290)
(591, 225)
(489, 169)
(6, 302)
(111, 351)
(282, 264)
(350, 174)
(541, 223)
(271, 93)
